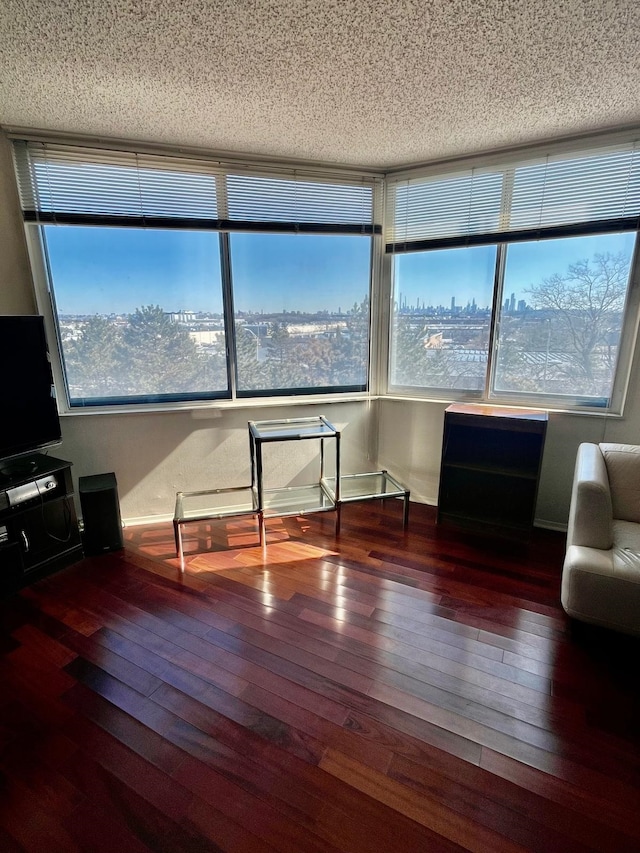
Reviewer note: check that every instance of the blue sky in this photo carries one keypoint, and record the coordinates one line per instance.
(105, 270)
(468, 273)
(115, 270)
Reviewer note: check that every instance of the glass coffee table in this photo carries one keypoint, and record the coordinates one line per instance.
(327, 493)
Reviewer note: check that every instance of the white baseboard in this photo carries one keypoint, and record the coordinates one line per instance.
(138, 521)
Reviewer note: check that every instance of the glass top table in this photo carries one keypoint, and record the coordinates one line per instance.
(314, 497)
(375, 485)
(325, 494)
(292, 429)
(214, 503)
(359, 487)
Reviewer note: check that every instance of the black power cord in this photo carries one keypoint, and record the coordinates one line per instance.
(67, 513)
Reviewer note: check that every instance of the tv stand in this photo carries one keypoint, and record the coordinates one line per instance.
(39, 531)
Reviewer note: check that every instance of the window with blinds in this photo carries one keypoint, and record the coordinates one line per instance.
(591, 192)
(82, 186)
(177, 279)
(513, 282)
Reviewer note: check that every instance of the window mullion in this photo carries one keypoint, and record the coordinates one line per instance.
(494, 331)
(229, 314)
(498, 281)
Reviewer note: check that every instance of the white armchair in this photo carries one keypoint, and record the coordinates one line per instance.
(601, 574)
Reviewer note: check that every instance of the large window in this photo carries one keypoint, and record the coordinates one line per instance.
(515, 283)
(561, 316)
(173, 281)
(442, 318)
(139, 312)
(301, 311)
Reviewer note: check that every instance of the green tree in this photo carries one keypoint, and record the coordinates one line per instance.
(159, 356)
(250, 371)
(350, 352)
(569, 343)
(92, 360)
(279, 340)
(416, 365)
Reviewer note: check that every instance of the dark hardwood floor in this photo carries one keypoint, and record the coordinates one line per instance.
(384, 691)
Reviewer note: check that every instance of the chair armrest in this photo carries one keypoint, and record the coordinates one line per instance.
(591, 513)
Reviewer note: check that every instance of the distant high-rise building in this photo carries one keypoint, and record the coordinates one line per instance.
(512, 302)
(453, 304)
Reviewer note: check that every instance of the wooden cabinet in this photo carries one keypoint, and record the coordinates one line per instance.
(39, 531)
(491, 459)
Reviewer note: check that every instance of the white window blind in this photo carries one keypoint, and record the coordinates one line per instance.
(299, 201)
(64, 184)
(585, 192)
(75, 185)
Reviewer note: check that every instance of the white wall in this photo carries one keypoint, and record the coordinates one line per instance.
(155, 455)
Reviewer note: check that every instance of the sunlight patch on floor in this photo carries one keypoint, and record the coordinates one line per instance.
(279, 552)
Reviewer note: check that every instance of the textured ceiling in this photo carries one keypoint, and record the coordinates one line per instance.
(371, 83)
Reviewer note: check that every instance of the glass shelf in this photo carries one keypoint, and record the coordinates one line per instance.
(209, 506)
(297, 500)
(292, 429)
(324, 495)
(215, 503)
(362, 487)
(377, 485)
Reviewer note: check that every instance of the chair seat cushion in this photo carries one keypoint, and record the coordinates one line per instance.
(626, 550)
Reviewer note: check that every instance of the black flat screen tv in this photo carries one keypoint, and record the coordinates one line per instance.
(29, 414)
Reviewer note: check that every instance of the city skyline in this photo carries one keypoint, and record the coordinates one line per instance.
(418, 274)
(116, 270)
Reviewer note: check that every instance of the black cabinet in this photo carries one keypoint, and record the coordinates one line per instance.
(38, 524)
(491, 458)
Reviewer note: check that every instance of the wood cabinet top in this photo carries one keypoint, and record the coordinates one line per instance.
(482, 410)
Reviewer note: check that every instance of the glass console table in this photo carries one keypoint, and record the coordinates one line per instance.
(328, 493)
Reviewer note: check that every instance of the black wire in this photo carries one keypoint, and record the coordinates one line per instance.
(67, 512)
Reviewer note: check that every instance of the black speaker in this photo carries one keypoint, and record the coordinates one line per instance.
(100, 513)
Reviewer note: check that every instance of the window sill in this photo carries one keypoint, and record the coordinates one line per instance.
(216, 408)
(532, 404)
